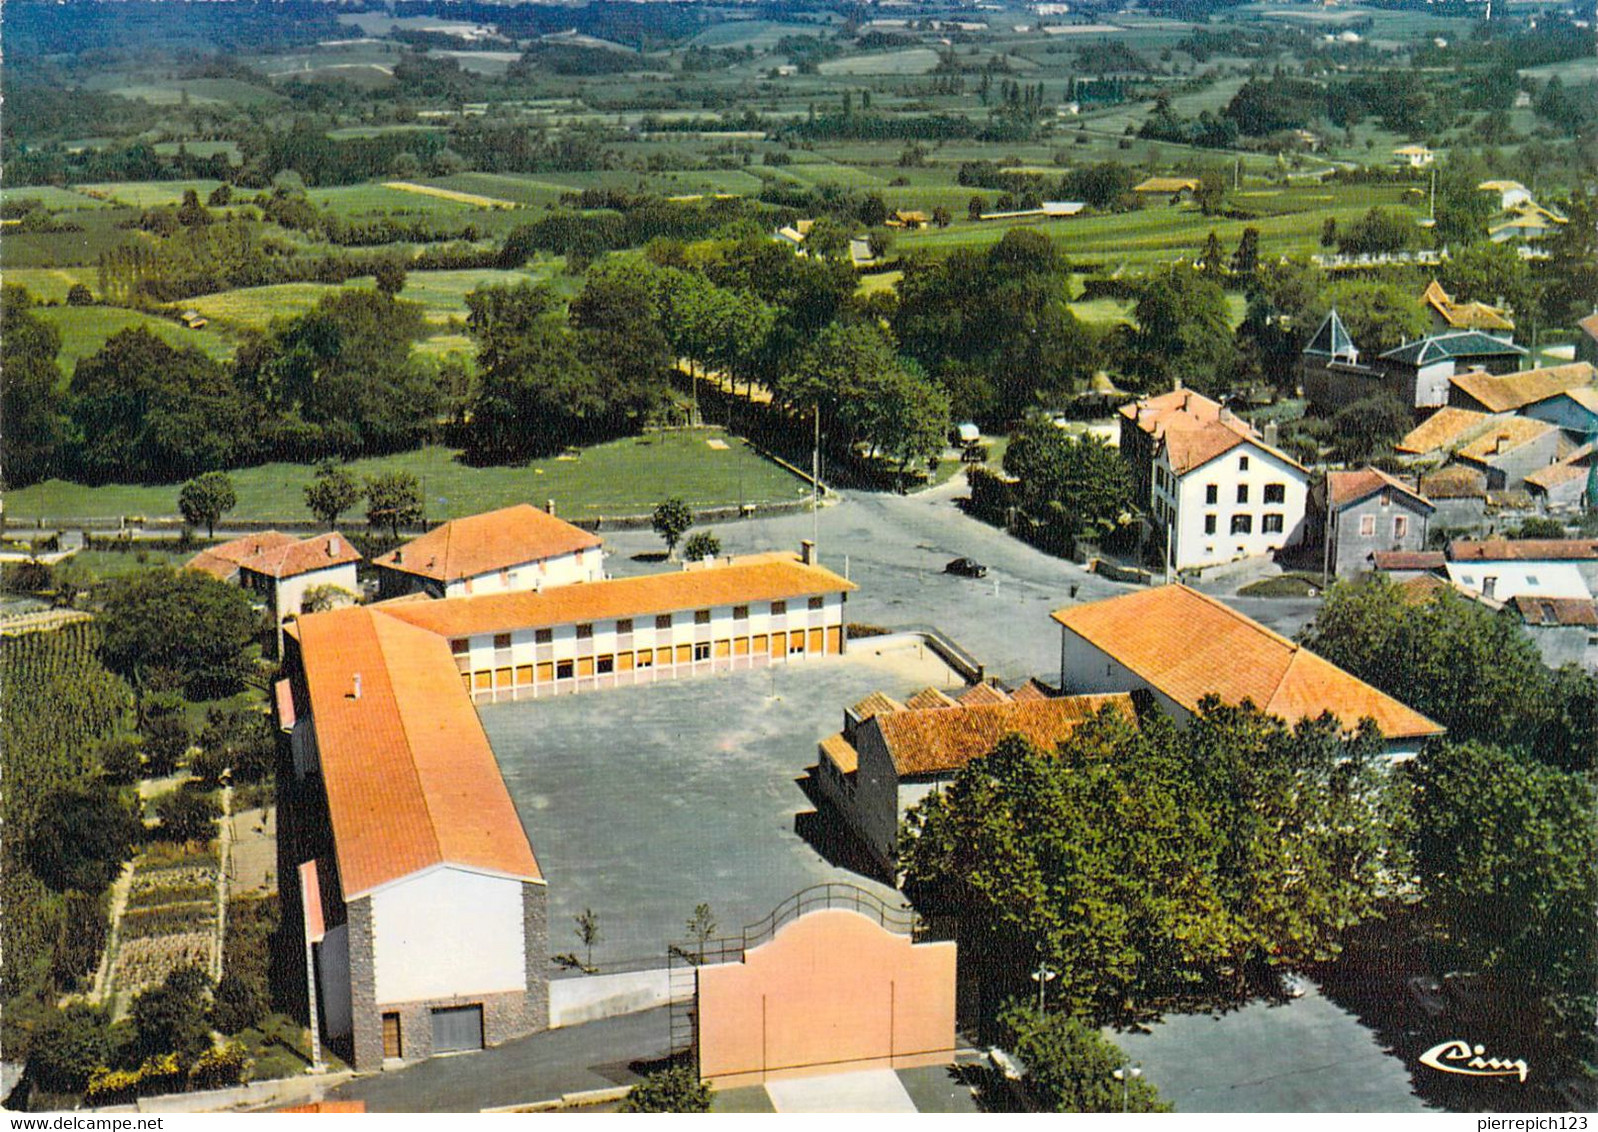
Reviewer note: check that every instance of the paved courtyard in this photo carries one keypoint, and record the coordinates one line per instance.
(1304, 1055)
(642, 803)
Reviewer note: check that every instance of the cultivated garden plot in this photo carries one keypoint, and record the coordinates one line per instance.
(170, 920)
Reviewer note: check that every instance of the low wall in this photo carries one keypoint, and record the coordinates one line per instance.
(588, 998)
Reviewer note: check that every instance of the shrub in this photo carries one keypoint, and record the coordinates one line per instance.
(161, 1073)
(188, 814)
(702, 544)
(112, 1086)
(68, 1048)
(172, 1019)
(1070, 1067)
(219, 1067)
(677, 1089)
(240, 1002)
(79, 296)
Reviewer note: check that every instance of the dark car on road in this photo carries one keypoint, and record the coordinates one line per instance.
(966, 568)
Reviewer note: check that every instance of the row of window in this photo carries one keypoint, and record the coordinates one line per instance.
(1270, 524)
(761, 644)
(1274, 493)
(624, 625)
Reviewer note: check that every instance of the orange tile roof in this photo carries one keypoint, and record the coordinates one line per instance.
(1589, 325)
(223, 561)
(1464, 316)
(1345, 487)
(944, 740)
(841, 752)
(1188, 645)
(319, 552)
(410, 778)
(978, 694)
(1523, 550)
(928, 698)
(1193, 447)
(1504, 435)
(1030, 692)
(1456, 481)
(1572, 467)
(1506, 392)
(480, 544)
(779, 578)
(1444, 429)
(1151, 413)
(1407, 559)
(875, 704)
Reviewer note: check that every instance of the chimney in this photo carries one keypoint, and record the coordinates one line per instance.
(549, 506)
(1272, 430)
(1176, 383)
(399, 556)
(356, 693)
(807, 552)
(332, 545)
(1499, 447)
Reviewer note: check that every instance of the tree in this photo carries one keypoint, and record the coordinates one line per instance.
(973, 209)
(1369, 427)
(588, 933)
(331, 492)
(1463, 210)
(1150, 866)
(1211, 192)
(677, 1089)
(1077, 487)
(671, 520)
(1379, 316)
(1379, 231)
(1470, 669)
(172, 1018)
(149, 413)
(206, 498)
(184, 622)
(1071, 1068)
(188, 814)
(1329, 232)
(32, 410)
(79, 296)
(394, 498)
(940, 216)
(701, 544)
(239, 1003)
(242, 738)
(701, 927)
(389, 275)
(1212, 260)
(81, 837)
(1247, 256)
(1504, 848)
(1539, 526)
(1183, 330)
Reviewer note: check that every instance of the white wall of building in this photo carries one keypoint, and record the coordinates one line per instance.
(561, 570)
(291, 591)
(448, 932)
(1183, 503)
(1504, 580)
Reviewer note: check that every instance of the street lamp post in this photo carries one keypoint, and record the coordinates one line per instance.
(1041, 976)
(1125, 1074)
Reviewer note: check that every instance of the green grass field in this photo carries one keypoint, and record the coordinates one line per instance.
(913, 61)
(624, 477)
(147, 194)
(84, 330)
(53, 198)
(50, 284)
(68, 249)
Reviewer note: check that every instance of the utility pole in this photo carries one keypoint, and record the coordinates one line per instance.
(815, 481)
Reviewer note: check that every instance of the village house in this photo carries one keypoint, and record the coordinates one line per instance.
(514, 548)
(1502, 569)
(1180, 646)
(1565, 629)
(1448, 315)
(890, 755)
(1460, 495)
(280, 570)
(1418, 373)
(1520, 391)
(1509, 193)
(1413, 156)
(1509, 450)
(1527, 224)
(1571, 484)
(1363, 511)
(1177, 188)
(1443, 433)
(1214, 490)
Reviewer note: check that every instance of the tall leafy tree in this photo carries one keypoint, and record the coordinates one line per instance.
(393, 499)
(1183, 330)
(1077, 486)
(150, 413)
(331, 492)
(32, 409)
(180, 621)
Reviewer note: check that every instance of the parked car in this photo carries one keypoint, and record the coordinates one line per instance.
(966, 568)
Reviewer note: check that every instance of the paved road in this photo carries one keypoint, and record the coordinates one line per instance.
(895, 548)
